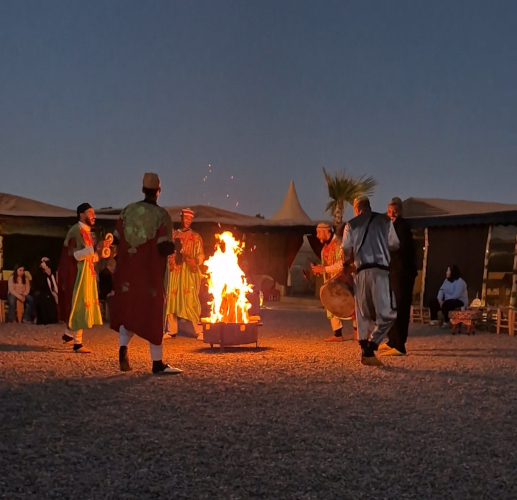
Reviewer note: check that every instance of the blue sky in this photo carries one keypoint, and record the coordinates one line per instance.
(421, 95)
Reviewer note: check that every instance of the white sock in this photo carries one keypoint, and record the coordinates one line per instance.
(156, 351)
(124, 336)
(78, 337)
(171, 324)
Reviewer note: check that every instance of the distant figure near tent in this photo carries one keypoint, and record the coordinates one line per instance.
(46, 293)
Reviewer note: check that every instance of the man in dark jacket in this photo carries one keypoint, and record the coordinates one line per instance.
(402, 279)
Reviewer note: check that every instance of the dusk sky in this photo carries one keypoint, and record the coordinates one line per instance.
(422, 95)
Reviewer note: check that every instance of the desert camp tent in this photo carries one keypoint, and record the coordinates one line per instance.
(479, 237)
(27, 225)
(437, 212)
(20, 215)
(30, 229)
(291, 210)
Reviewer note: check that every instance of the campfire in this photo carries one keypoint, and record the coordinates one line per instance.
(229, 322)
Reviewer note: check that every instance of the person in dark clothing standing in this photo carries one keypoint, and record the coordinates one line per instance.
(402, 279)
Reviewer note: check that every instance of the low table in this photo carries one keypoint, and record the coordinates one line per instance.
(468, 318)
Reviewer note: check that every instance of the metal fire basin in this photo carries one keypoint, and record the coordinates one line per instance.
(230, 334)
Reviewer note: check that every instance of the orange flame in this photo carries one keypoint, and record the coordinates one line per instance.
(227, 282)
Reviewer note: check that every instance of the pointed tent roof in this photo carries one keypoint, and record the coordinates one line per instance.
(291, 208)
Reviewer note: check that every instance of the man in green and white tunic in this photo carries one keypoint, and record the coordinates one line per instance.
(77, 289)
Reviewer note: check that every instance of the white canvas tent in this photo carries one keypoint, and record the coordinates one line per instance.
(291, 210)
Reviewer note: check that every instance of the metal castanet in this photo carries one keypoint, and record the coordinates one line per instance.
(106, 251)
(337, 294)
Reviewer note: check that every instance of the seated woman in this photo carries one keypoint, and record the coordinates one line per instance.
(452, 295)
(19, 287)
(45, 293)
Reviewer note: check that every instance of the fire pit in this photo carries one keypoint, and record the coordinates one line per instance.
(230, 334)
(229, 323)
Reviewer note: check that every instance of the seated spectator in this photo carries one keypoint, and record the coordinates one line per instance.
(45, 292)
(452, 295)
(19, 287)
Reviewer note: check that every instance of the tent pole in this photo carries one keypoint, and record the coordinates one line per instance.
(424, 266)
(485, 269)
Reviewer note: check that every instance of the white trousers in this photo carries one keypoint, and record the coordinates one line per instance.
(374, 304)
(78, 337)
(172, 325)
(125, 337)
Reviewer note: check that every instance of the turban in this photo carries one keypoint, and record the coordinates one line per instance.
(151, 181)
(187, 212)
(323, 225)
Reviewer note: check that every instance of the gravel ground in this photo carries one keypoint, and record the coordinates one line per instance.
(297, 419)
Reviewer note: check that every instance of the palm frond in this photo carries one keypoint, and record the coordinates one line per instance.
(346, 188)
(331, 205)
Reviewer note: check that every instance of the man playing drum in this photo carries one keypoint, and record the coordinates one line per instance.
(331, 265)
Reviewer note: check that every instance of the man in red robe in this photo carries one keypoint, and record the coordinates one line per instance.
(144, 233)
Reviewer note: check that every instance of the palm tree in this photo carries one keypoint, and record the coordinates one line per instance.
(345, 189)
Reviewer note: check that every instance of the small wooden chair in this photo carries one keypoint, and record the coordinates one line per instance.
(420, 315)
(20, 309)
(490, 318)
(3, 298)
(512, 323)
(505, 320)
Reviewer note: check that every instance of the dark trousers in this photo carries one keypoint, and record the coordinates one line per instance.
(403, 291)
(447, 307)
(46, 309)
